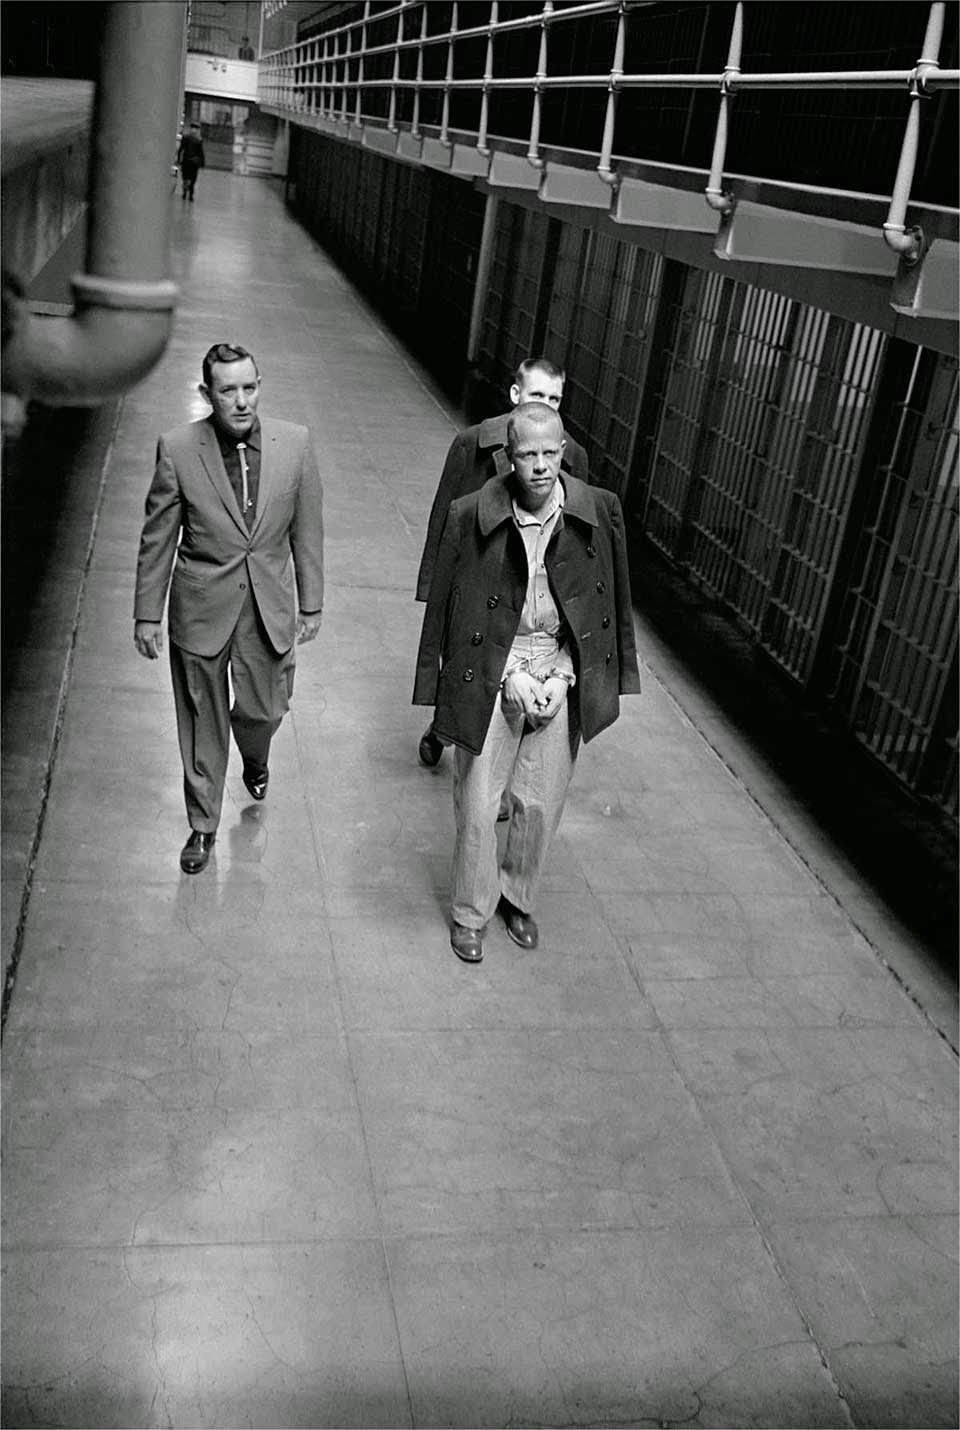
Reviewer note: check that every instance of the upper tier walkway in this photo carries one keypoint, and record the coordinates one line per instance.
(274, 1157)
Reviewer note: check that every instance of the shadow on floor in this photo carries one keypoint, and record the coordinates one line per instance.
(905, 852)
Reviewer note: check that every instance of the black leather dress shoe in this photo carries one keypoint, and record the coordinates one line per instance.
(196, 851)
(520, 926)
(430, 749)
(256, 778)
(467, 943)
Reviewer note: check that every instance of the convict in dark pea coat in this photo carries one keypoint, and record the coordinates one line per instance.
(529, 543)
(477, 454)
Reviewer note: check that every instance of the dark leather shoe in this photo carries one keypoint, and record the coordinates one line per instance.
(196, 851)
(256, 778)
(430, 749)
(520, 926)
(467, 943)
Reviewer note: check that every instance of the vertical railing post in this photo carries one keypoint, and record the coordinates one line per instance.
(482, 281)
(616, 74)
(716, 196)
(415, 126)
(392, 118)
(357, 110)
(325, 92)
(445, 117)
(487, 77)
(347, 51)
(908, 243)
(533, 152)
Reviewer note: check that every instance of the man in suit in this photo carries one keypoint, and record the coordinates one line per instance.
(235, 512)
(527, 646)
(477, 454)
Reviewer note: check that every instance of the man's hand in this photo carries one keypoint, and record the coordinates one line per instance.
(553, 694)
(523, 695)
(148, 638)
(307, 627)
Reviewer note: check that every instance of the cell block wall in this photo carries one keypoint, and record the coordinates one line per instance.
(798, 466)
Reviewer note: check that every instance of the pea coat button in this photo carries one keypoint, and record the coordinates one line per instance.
(591, 551)
(601, 587)
(243, 586)
(476, 638)
(608, 657)
(493, 602)
(605, 622)
(468, 674)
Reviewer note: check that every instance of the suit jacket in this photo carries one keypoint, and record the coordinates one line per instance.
(191, 501)
(476, 601)
(477, 454)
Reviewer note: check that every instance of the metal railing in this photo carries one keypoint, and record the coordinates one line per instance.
(329, 76)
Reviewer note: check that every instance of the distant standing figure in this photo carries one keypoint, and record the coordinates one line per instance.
(191, 159)
(234, 511)
(246, 49)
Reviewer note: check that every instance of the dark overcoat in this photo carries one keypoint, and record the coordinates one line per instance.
(477, 454)
(476, 601)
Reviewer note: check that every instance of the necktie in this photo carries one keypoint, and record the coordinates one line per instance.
(244, 475)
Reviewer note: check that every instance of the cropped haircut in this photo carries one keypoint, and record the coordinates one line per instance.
(542, 364)
(225, 352)
(536, 412)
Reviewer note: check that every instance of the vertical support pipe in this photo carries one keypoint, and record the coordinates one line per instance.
(124, 300)
(415, 126)
(616, 74)
(392, 118)
(533, 152)
(482, 147)
(445, 118)
(908, 243)
(357, 110)
(326, 92)
(482, 282)
(716, 197)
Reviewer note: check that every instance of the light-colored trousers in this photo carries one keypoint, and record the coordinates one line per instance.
(262, 687)
(537, 765)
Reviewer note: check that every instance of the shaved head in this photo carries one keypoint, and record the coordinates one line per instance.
(533, 416)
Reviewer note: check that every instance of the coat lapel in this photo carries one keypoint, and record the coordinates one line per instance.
(216, 471)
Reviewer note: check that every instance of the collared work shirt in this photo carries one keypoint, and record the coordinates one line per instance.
(536, 527)
(231, 460)
(537, 644)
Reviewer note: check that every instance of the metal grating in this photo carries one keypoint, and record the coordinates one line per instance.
(894, 666)
(778, 465)
(510, 315)
(601, 312)
(697, 325)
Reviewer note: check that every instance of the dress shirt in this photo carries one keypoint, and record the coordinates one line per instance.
(539, 642)
(231, 460)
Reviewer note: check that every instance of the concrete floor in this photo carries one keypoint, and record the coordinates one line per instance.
(274, 1157)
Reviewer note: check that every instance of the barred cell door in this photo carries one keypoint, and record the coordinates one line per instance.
(697, 326)
(894, 662)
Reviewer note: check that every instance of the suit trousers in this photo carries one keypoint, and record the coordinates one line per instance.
(262, 686)
(537, 765)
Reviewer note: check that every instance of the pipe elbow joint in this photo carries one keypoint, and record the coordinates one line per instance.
(719, 200)
(98, 353)
(84, 360)
(907, 243)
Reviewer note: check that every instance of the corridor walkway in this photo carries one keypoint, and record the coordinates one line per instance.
(274, 1157)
